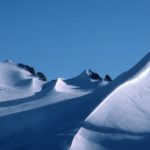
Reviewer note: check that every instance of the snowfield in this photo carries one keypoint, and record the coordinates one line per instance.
(82, 113)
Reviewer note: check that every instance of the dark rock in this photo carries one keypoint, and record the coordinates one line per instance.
(41, 76)
(28, 68)
(94, 75)
(107, 78)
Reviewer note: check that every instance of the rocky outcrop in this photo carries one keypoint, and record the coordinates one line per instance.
(28, 68)
(31, 70)
(107, 78)
(41, 76)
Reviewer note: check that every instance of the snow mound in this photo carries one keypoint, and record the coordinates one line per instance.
(131, 100)
(14, 81)
(122, 120)
(61, 86)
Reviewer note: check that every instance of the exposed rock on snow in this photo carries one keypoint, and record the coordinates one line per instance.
(107, 78)
(93, 75)
(41, 76)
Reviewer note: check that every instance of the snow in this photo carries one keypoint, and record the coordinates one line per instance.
(63, 87)
(52, 92)
(122, 120)
(132, 102)
(15, 81)
(47, 113)
(79, 113)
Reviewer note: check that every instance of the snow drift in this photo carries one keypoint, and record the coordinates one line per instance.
(122, 120)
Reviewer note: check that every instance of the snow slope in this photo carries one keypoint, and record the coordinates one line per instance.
(84, 81)
(16, 82)
(43, 115)
(122, 120)
(51, 92)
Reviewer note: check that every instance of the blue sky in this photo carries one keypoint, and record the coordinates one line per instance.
(63, 37)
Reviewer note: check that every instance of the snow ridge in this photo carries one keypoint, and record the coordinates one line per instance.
(122, 116)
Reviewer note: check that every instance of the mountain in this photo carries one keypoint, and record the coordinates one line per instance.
(122, 120)
(81, 113)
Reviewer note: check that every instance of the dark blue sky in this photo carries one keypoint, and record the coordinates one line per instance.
(63, 37)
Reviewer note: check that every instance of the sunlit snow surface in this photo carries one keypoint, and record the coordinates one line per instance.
(17, 83)
(122, 120)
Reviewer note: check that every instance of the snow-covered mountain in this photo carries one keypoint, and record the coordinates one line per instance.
(36, 114)
(86, 112)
